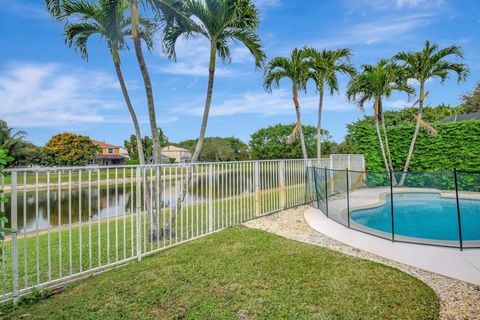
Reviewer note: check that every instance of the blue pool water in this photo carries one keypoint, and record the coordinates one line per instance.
(424, 215)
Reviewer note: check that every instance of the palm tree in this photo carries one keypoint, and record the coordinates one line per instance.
(372, 84)
(325, 66)
(295, 68)
(422, 66)
(106, 19)
(220, 21)
(166, 10)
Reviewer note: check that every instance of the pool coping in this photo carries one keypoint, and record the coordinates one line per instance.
(381, 199)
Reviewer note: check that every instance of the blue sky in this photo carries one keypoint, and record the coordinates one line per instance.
(45, 87)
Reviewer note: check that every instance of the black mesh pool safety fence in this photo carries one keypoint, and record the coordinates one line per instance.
(435, 208)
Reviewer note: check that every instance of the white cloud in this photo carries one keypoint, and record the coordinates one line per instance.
(383, 29)
(389, 5)
(193, 57)
(22, 9)
(51, 95)
(264, 104)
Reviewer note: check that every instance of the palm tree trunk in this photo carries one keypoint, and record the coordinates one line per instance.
(146, 79)
(415, 135)
(319, 125)
(201, 137)
(380, 141)
(138, 135)
(389, 154)
(208, 101)
(299, 122)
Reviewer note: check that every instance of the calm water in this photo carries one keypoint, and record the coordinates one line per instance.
(428, 216)
(113, 200)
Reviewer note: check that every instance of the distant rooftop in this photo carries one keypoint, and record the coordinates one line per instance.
(463, 117)
(102, 144)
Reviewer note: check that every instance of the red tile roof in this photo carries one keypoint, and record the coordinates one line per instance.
(103, 144)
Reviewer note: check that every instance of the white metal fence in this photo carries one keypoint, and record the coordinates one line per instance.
(76, 221)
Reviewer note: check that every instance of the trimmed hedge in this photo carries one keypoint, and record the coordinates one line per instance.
(457, 146)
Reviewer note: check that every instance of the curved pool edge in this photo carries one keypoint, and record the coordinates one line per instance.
(450, 262)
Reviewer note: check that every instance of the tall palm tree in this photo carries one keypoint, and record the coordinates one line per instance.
(422, 66)
(219, 21)
(166, 10)
(106, 19)
(296, 68)
(325, 66)
(372, 84)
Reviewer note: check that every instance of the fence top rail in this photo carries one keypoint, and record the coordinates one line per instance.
(395, 172)
(96, 168)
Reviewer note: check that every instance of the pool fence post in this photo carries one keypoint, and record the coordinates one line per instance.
(210, 198)
(326, 191)
(137, 212)
(317, 196)
(348, 198)
(458, 209)
(13, 209)
(257, 188)
(281, 179)
(391, 205)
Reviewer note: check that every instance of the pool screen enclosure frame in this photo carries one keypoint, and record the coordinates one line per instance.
(338, 193)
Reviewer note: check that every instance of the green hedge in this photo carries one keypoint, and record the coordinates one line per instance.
(457, 146)
(434, 158)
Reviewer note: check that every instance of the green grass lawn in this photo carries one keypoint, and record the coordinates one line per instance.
(241, 273)
(191, 222)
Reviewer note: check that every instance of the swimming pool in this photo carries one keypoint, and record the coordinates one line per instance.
(423, 215)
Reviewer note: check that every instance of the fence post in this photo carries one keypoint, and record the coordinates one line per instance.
(326, 191)
(14, 226)
(458, 209)
(138, 209)
(391, 205)
(281, 179)
(348, 197)
(257, 189)
(210, 198)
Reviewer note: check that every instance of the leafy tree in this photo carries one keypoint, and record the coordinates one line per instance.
(147, 145)
(236, 150)
(4, 160)
(422, 66)
(68, 149)
(273, 142)
(217, 149)
(343, 147)
(471, 101)
(239, 148)
(220, 21)
(325, 65)
(108, 20)
(372, 84)
(296, 68)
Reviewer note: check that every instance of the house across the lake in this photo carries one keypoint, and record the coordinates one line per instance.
(179, 154)
(108, 155)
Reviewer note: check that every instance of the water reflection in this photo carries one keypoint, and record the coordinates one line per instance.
(54, 208)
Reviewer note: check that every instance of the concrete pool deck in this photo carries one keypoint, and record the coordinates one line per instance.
(450, 262)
